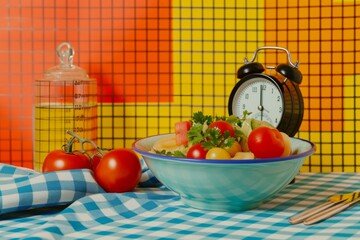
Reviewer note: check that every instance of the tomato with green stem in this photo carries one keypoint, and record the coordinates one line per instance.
(118, 170)
(58, 160)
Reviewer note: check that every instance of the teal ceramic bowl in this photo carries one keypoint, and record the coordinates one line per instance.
(224, 185)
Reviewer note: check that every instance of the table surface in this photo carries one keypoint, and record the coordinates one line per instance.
(158, 213)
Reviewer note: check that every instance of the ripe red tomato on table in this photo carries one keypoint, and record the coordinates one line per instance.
(265, 142)
(197, 151)
(58, 160)
(223, 126)
(118, 171)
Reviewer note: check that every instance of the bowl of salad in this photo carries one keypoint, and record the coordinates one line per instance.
(224, 163)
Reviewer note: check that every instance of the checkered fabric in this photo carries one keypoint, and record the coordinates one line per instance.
(22, 189)
(158, 213)
(27, 189)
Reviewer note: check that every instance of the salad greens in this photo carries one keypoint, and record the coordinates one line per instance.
(200, 132)
(212, 137)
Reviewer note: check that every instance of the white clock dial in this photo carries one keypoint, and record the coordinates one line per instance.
(262, 98)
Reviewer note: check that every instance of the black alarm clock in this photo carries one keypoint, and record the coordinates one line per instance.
(273, 97)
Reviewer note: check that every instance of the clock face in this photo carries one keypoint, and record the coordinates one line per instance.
(260, 96)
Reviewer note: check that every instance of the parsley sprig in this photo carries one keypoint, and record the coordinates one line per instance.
(199, 117)
(214, 138)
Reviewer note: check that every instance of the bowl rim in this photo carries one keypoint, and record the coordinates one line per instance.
(245, 161)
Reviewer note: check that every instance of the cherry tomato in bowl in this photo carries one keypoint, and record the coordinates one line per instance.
(265, 142)
(223, 126)
(217, 153)
(197, 151)
(58, 160)
(118, 171)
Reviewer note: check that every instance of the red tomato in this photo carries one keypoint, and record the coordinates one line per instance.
(197, 151)
(58, 160)
(181, 129)
(223, 126)
(265, 142)
(118, 171)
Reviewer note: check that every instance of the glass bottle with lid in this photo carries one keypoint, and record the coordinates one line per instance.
(65, 99)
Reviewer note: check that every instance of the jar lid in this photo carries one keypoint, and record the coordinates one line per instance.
(66, 69)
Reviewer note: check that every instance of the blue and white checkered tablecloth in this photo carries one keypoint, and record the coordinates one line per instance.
(158, 213)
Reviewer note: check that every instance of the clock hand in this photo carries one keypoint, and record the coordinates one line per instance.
(260, 107)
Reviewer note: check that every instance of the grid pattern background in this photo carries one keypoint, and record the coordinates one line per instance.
(157, 62)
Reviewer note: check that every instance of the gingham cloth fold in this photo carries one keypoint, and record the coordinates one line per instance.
(22, 189)
(34, 190)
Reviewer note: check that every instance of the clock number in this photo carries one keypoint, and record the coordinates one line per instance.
(280, 109)
(243, 106)
(263, 87)
(254, 89)
(278, 98)
(247, 96)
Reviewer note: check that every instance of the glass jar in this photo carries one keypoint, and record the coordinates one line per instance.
(65, 99)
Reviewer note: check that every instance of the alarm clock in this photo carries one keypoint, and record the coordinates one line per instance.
(273, 97)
